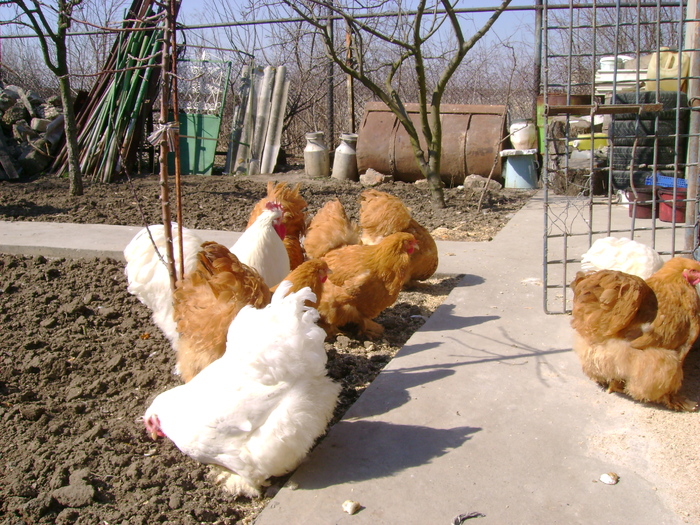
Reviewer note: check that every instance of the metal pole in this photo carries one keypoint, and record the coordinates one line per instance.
(351, 92)
(537, 77)
(330, 127)
(692, 37)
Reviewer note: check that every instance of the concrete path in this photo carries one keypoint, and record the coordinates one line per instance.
(485, 410)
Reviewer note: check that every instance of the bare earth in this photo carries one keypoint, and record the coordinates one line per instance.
(81, 359)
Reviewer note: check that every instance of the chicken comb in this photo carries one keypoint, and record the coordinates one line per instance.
(274, 206)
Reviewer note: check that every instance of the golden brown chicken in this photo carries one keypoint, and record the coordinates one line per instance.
(312, 273)
(364, 280)
(294, 218)
(207, 300)
(382, 214)
(330, 229)
(633, 335)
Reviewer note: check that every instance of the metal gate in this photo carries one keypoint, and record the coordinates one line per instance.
(620, 132)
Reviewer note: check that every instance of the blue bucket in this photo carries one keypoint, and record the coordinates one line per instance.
(520, 169)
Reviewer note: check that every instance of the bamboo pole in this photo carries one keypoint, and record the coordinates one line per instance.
(166, 71)
(176, 131)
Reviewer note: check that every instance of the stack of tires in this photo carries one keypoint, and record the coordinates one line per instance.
(656, 133)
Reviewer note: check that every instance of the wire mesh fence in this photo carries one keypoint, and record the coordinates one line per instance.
(620, 150)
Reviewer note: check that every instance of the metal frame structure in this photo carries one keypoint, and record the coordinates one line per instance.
(586, 192)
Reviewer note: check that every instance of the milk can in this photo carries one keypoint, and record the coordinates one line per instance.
(523, 134)
(316, 161)
(345, 160)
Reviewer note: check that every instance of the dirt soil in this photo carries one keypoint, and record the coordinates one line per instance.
(81, 359)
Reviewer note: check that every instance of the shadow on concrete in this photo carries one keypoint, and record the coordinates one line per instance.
(394, 387)
(385, 450)
(444, 319)
(469, 279)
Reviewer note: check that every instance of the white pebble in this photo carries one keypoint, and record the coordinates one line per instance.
(609, 478)
(351, 507)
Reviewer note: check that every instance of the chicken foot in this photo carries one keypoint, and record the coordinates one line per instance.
(679, 403)
(235, 484)
(616, 386)
(371, 329)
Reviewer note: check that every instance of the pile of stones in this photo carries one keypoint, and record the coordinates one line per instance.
(31, 132)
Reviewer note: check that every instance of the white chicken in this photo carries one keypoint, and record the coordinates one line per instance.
(259, 247)
(148, 277)
(258, 409)
(622, 254)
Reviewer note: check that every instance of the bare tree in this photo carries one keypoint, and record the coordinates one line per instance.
(41, 19)
(409, 39)
(89, 52)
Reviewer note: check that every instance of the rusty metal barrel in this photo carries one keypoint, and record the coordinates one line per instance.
(471, 141)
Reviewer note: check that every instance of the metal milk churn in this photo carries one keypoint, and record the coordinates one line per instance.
(345, 160)
(523, 134)
(316, 160)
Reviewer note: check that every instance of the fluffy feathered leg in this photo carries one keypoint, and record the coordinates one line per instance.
(235, 484)
(680, 403)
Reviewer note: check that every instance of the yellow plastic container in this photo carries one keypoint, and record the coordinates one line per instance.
(583, 142)
(665, 70)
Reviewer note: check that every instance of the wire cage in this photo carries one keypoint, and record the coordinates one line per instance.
(619, 134)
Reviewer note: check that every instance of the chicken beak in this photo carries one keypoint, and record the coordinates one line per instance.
(154, 435)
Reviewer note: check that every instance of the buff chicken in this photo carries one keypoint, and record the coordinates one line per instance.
(382, 214)
(363, 281)
(207, 300)
(312, 273)
(633, 335)
(330, 229)
(255, 412)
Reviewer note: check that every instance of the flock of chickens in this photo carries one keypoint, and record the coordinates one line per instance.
(248, 324)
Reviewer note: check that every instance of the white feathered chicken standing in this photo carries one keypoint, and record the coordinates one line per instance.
(256, 411)
(259, 247)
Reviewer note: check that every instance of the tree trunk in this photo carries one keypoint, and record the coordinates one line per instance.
(437, 196)
(432, 117)
(71, 129)
(432, 175)
(430, 169)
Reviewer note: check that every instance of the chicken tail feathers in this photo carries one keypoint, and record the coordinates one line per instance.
(279, 341)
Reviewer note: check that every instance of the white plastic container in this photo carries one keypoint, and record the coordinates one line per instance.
(523, 134)
(316, 160)
(610, 63)
(670, 63)
(345, 159)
